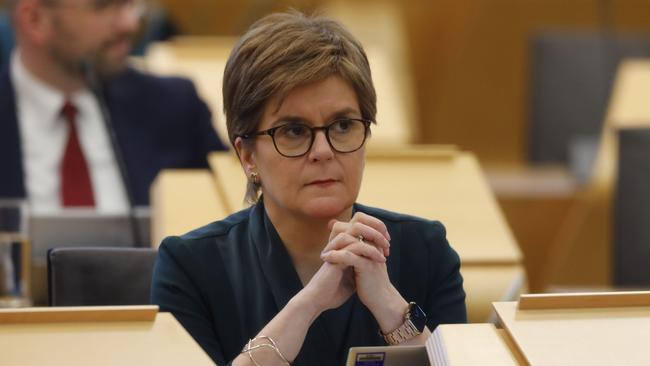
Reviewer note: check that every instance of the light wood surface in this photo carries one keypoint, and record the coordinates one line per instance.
(584, 300)
(230, 178)
(469, 345)
(514, 350)
(487, 283)
(182, 200)
(579, 337)
(162, 341)
(381, 30)
(78, 314)
(450, 188)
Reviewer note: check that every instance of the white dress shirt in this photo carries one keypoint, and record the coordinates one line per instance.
(43, 136)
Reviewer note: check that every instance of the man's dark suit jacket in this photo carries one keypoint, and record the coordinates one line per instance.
(159, 123)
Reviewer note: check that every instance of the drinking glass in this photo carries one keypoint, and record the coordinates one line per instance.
(15, 256)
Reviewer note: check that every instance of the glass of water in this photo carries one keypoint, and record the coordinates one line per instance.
(15, 256)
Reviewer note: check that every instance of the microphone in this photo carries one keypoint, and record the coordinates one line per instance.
(95, 85)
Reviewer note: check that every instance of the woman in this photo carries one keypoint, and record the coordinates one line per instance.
(305, 273)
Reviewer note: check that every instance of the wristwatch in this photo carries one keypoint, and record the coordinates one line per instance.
(414, 322)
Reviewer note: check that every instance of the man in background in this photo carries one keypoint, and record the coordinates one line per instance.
(55, 150)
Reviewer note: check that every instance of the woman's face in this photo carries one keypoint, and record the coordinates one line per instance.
(322, 183)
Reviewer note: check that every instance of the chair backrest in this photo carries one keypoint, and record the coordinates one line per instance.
(99, 276)
(632, 208)
(571, 77)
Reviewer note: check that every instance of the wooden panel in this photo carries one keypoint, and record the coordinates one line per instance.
(230, 178)
(584, 300)
(535, 202)
(452, 190)
(159, 342)
(476, 53)
(469, 345)
(79, 314)
(579, 337)
(183, 200)
(485, 284)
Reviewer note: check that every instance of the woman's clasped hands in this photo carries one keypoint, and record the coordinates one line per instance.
(355, 260)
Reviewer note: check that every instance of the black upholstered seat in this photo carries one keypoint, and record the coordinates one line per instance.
(99, 276)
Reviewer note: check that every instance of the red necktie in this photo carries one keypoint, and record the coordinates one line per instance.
(76, 189)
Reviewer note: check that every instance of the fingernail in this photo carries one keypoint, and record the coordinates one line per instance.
(324, 254)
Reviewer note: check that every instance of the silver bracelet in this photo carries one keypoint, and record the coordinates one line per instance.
(249, 348)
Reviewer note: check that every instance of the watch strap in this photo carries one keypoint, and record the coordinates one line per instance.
(404, 332)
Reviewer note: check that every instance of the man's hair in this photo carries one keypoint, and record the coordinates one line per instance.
(282, 51)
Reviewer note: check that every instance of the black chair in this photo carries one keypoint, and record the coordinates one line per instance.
(631, 253)
(572, 74)
(99, 276)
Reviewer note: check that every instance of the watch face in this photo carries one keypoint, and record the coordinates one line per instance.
(418, 317)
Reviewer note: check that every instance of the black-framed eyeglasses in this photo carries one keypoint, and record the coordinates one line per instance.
(294, 139)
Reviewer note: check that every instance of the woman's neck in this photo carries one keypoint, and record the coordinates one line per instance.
(304, 238)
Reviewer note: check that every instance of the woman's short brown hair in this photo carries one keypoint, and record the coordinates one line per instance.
(282, 51)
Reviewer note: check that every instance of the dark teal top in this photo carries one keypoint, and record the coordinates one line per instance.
(225, 281)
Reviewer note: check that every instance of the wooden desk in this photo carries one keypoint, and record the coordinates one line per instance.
(569, 330)
(471, 345)
(160, 341)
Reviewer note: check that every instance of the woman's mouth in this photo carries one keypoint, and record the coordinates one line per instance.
(322, 183)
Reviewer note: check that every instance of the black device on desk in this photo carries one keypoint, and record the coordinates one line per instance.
(88, 228)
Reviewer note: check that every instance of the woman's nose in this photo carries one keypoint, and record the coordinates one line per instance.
(321, 149)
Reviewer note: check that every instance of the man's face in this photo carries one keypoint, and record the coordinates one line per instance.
(96, 32)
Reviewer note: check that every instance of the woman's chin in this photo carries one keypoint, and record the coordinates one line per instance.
(326, 207)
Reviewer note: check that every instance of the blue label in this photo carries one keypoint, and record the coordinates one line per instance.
(370, 359)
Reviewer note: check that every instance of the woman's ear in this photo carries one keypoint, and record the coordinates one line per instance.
(246, 156)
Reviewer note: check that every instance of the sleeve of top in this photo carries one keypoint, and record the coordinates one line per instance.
(175, 287)
(446, 298)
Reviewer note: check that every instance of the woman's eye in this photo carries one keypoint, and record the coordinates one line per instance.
(342, 125)
(294, 131)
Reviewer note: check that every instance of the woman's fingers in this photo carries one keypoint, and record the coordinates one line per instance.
(343, 240)
(359, 230)
(373, 222)
(349, 255)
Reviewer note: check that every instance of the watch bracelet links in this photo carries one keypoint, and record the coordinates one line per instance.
(404, 332)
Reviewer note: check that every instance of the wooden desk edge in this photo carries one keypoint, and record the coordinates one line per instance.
(508, 338)
(76, 314)
(584, 300)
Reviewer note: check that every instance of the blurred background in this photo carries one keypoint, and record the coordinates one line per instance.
(525, 85)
